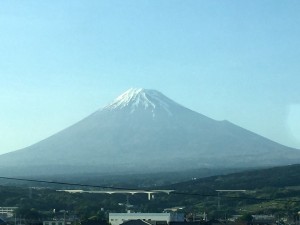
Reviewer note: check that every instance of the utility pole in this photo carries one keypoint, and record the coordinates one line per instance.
(127, 203)
(64, 217)
(218, 200)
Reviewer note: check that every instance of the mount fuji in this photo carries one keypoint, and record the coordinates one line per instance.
(140, 131)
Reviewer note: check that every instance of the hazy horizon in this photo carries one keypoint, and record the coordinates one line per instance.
(229, 60)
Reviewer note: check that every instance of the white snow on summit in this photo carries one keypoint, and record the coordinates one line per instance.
(142, 98)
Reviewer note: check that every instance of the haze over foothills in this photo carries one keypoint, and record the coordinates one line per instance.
(236, 60)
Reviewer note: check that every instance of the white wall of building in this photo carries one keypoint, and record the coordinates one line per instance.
(119, 218)
(7, 211)
(54, 222)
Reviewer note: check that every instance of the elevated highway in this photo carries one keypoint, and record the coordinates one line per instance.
(150, 193)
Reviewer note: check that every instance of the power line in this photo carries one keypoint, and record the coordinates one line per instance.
(67, 183)
(135, 189)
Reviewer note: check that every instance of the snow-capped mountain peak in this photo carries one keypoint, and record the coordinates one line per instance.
(141, 98)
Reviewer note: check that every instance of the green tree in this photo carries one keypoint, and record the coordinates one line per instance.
(247, 217)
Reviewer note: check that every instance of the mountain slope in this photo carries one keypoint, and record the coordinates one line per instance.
(143, 129)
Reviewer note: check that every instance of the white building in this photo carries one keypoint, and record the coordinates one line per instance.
(7, 211)
(54, 222)
(119, 218)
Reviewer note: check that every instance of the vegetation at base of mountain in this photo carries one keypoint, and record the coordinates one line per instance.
(276, 177)
(270, 191)
(247, 217)
(142, 180)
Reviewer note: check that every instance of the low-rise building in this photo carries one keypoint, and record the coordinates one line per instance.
(54, 222)
(119, 218)
(58, 222)
(7, 211)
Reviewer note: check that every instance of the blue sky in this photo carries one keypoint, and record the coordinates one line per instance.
(62, 60)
